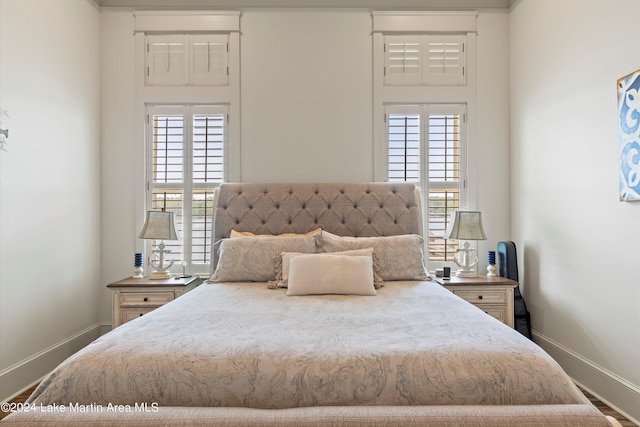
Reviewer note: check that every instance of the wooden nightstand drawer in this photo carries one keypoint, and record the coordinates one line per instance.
(144, 299)
(483, 296)
(127, 314)
(497, 311)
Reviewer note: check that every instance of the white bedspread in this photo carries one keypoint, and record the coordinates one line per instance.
(243, 345)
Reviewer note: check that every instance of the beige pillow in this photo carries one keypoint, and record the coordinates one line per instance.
(235, 233)
(250, 259)
(399, 257)
(318, 274)
(282, 266)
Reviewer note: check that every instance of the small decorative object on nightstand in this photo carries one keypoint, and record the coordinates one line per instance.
(134, 297)
(138, 270)
(491, 264)
(184, 265)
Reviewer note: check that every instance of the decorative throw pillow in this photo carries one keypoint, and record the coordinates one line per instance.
(235, 233)
(318, 274)
(250, 259)
(282, 266)
(399, 257)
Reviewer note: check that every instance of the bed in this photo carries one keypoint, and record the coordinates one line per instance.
(319, 312)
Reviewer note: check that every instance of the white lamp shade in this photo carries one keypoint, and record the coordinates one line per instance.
(159, 225)
(465, 225)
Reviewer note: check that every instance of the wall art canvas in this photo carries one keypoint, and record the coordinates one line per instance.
(629, 136)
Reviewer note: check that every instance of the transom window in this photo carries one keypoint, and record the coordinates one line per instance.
(187, 59)
(430, 59)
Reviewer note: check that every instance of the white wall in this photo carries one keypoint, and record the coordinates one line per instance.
(49, 186)
(489, 172)
(121, 168)
(580, 250)
(306, 96)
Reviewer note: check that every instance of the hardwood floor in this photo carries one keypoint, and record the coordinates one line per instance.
(601, 406)
(21, 398)
(606, 410)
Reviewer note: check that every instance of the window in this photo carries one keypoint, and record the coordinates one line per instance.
(188, 111)
(424, 88)
(424, 60)
(185, 163)
(187, 59)
(425, 146)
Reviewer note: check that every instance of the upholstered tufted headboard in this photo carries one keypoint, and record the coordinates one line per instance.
(366, 209)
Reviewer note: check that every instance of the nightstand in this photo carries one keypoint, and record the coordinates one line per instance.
(134, 297)
(493, 295)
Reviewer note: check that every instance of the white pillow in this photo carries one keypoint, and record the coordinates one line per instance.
(251, 259)
(400, 257)
(282, 266)
(316, 274)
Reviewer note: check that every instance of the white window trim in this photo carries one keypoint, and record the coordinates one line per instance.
(148, 21)
(422, 21)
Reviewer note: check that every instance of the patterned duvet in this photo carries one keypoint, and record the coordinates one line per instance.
(243, 345)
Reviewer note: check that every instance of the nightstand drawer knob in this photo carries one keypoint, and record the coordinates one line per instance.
(140, 315)
(479, 296)
(147, 299)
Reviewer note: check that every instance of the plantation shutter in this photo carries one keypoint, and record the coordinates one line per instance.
(187, 59)
(187, 147)
(209, 56)
(444, 137)
(167, 171)
(424, 146)
(418, 60)
(208, 147)
(403, 60)
(208, 173)
(444, 60)
(167, 60)
(404, 147)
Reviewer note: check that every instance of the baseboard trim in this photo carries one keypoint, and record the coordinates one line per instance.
(22, 375)
(621, 395)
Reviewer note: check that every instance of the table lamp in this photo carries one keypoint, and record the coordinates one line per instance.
(161, 226)
(466, 225)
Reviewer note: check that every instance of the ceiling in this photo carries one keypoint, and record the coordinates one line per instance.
(368, 4)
